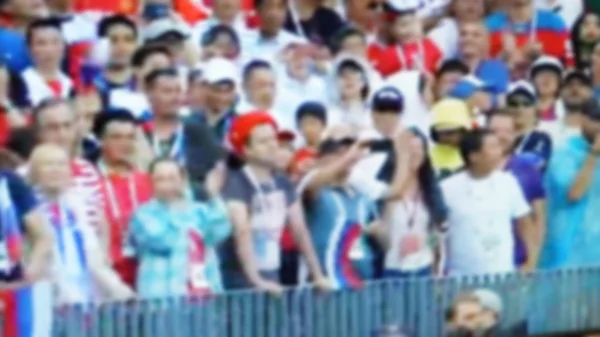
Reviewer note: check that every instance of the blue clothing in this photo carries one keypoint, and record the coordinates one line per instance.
(14, 51)
(160, 237)
(573, 229)
(538, 143)
(336, 218)
(494, 74)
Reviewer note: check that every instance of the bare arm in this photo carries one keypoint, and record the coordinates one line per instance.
(583, 179)
(240, 217)
(298, 226)
(42, 242)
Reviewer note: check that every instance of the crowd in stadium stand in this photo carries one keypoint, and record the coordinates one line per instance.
(161, 148)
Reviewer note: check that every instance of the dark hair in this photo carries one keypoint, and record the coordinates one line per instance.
(214, 32)
(355, 66)
(259, 3)
(429, 182)
(194, 75)
(471, 143)
(22, 141)
(576, 43)
(107, 23)
(44, 105)
(52, 23)
(145, 52)
(104, 118)
(253, 66)
(341, 35)
(154, 75)
(311, 109)
(451, 66)
(165, 159)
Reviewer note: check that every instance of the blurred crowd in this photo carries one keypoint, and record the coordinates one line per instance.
(163, 148)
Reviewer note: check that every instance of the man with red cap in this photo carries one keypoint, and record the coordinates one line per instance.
(261, 201)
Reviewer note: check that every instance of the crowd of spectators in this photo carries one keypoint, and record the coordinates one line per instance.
(165, 148)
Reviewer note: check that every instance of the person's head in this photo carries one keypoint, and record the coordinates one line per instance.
(546, 75)
(387, 106)
(492, 307)
(311, 120)
(590, 121)
(122, 35)
(502, 124)
(480, 150)
(589, 30)
(258, 79)
(473, 40)
(520, 3)
(365, 13)
(196, 95)
(521, 101)
(168, 33)
(223, 41)
(450, 120)
(254, 137)
(168, 179)
(448, 75)
(351, 41)
(55, 122)
(220, 76)
(272, 15)
(49, 168)
(226, 10)
(164, 92)
(26, 9)
(298, 58)
(87, 106)
(149, 58)
(465, 312)
(45, 42)
(332, 149)
(116, 130)
(352, 81)
(577, 87)
(406, 26)
(468, 10)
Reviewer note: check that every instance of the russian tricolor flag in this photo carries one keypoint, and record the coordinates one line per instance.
(345, 244)
(27, 310)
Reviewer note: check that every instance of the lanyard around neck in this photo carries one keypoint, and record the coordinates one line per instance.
(113, 203)
(176, 149)
(417, 60)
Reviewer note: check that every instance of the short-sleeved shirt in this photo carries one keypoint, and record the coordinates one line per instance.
(268, 205)
(481, 211)
(19, 201)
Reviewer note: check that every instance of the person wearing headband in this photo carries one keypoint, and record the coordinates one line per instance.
(261, 201)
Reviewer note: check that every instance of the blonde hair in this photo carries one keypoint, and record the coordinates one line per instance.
(40, 154)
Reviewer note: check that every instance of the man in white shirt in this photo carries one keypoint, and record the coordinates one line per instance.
(482, 202)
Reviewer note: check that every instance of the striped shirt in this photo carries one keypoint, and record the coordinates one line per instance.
(87, 177)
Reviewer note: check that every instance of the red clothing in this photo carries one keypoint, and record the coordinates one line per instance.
(389, 60)
(87, 178)
(127, 7)
(56, 88)
(193, 11)
(123, 194)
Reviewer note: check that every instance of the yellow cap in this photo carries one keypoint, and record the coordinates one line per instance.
(450, 113)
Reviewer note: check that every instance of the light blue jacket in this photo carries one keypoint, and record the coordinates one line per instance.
(159, 236)
(573, 230)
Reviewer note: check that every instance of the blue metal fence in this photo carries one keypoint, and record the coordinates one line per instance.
(555, 301)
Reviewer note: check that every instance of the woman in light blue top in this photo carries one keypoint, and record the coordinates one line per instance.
(174, 237)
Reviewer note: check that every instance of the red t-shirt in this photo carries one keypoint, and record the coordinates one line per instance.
(389, 60)
(123, 194)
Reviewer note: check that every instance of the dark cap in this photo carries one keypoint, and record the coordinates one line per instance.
(312, 109)
(577, 75)
(388, 99)
(591, 109)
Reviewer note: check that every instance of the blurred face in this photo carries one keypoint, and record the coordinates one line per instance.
(467, 314)
(298, 61)
(351, 83)
(524, 110)
(167, 181)
(122, 44)
(47, 47)
(51, 170)
(490, 154)
(407, 27)
(386, 122)
(468, 10)
(155, 62)
(88, 105)
(220, 96)
(226, 9)
(473, 39)
(58, 126)
(197, 93)
(365, 13)
(447, 81)
(118, 142)
(547, 83)
(355, 45)
(449, 137)
(590, 28)
(520, 2)
(260, 86)
(165, 95)
(312, 130)
(272, 15)
(263, 143)
(225, 46)
(575, 91)
(504, 129)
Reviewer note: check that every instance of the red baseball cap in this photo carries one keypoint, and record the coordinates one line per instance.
(242, 127)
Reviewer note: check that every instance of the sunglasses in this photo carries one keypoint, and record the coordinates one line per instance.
(520, 103)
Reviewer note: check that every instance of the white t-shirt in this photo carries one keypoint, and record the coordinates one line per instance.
(480, 237)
